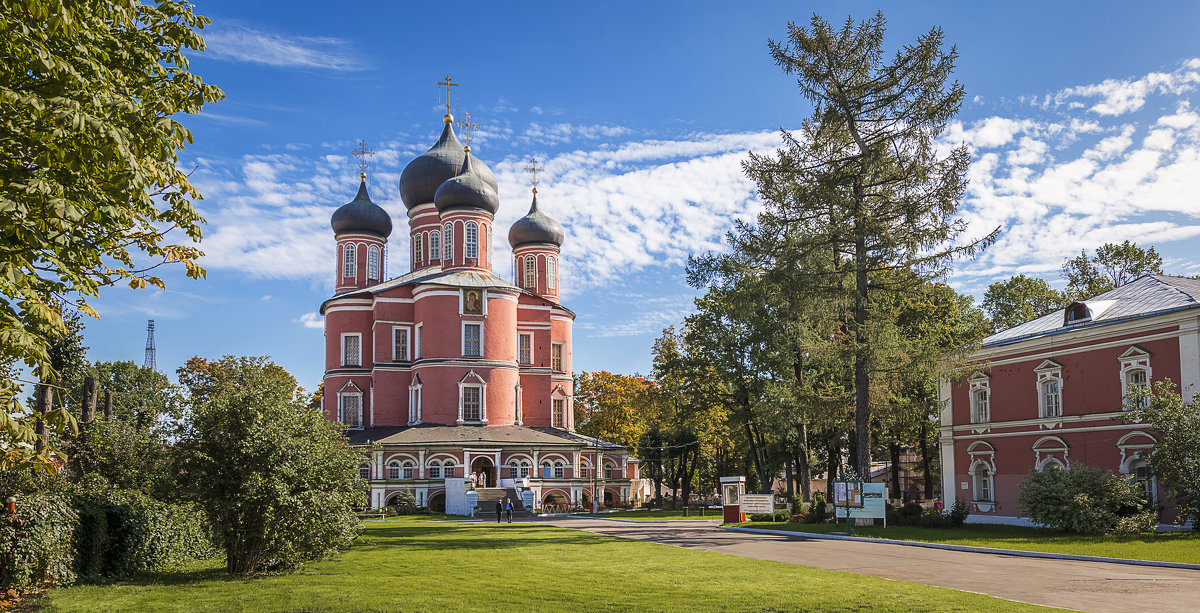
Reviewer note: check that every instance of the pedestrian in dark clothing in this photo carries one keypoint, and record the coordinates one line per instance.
(508, 509)
(499, 511)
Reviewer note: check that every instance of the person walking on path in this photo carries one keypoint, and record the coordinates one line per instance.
(499, 511)
(508, 508)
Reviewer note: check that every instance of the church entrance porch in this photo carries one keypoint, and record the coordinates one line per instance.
(483, 466)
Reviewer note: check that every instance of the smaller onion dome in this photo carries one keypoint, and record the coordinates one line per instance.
(535, 227)
(425, 174)
(467, 190)
(361, 215)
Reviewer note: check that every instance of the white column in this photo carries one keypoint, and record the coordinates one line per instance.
(1189, 359)
(946, 438)
(421, 464)
(377, 465)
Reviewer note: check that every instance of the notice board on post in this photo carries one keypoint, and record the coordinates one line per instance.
(872, 503)
(758, 503)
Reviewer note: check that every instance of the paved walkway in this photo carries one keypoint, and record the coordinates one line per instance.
(1088, 586)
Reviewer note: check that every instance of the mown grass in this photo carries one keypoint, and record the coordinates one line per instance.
(526, 567)
(1157, 546)
(426, 517)
(655, 515)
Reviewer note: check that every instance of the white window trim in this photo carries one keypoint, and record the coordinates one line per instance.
(448, 244)
(525, 272)
(470, 245)
(463, 337)
(478, 382)
(418, 337)
(435, 245)
(345, 335)
(562, 350)
(565, 405)
(342, 409)
(1050, 371)
(373, 261)
(407, 344)
(349, 261)
(528, 335)
(976, 480)
(551, 273)
(1134, 358)
(414, 403)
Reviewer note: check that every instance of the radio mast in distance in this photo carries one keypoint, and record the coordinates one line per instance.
(149, 363)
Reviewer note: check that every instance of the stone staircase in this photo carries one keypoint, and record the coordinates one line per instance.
(487, 497)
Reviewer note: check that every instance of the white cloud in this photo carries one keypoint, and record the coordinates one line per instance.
(311, 320)
(1113, 97)
(242, 44)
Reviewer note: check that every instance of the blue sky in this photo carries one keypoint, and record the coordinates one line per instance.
(1078, 115)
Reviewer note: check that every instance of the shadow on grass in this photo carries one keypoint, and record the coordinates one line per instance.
(454, 538)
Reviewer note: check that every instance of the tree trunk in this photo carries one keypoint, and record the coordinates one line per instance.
(90, 393)
(787, 477)
(834, 451)
(894, 449)
(862, 379)
(45, 400)
(803, 469)
(926, 464)
(108, 405)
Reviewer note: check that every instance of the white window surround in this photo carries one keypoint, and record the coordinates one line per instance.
(558, 412)
(471, 240)
(393, 472)
(435, 245)
(357, 348)
(1049, 375)
(472, 380)
(435, 469)
(401, 343)
(1134, 446)
(976, 384)
(414, 401)
(465, 326)
(1134, 361)
(348, 261)
(558, 358)
(530, 267)
(350, 410)
(448, 244)
(408, 470)
(418, 338)
(983, 455)
(984, 481)
(520, 421)
(1050, 450)
(525, 348)
(373, 262)
(551, 273)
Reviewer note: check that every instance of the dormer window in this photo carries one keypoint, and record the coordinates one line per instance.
(1077, 313)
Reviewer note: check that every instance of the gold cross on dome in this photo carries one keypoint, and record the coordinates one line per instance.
(448, 85)
(533, 169)
(467, 126)
(363, 154)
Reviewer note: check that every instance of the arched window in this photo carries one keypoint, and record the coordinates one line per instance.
(471, 238)
(547, 470)
(348, 261)
(609, 470)
(531, 272)
(551, 273)
(409, 470)
(558, 470)
(435, 470)
(364, 471)
(393, 470)
(487, 251)
(1051, 398)
(435, 244)
(448, 245)
(983, 482)
(1136, 379)
(980, 410)
(448, 469)
(418, 251)
(373, 263)
(1051, 463)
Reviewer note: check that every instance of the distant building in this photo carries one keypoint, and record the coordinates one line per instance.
(447, 368)
(1052, 391)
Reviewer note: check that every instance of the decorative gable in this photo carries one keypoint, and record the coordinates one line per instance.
(1048, 366)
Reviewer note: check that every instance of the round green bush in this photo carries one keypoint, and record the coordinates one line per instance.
(1086, 500)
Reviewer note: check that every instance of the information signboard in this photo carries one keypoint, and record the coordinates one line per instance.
(872, 502)
(758, 503)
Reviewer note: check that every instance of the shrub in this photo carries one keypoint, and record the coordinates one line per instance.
(818, 513)
(959, 511)
(761, 516)
(35, 548)
(1084, 499)
(403, 503)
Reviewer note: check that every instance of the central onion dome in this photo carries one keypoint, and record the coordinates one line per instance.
(535, 227)
(422, 177)
(361, 215)
(468, 190)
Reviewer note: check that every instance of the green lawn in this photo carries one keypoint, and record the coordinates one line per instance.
(1159, 546)
(524, 567)
(427, 517)
(660, 515)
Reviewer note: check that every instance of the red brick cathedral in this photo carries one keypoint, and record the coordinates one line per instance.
(449, 370)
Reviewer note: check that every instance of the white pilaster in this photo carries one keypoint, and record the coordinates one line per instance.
(1189, 359)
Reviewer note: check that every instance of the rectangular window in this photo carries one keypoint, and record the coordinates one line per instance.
(531, 273)
(400, 344)
(351, 350)
(471, 247)
(393, 471)
(980, 413)
(1137, 379)
(551, 273)
(556, 357)
(348, 267)
(471, 336)
(373, 263)
(435, 245)
(558, 417)
(352, 410)
(448, 470)
(608, 471)
(420, 348)
(558, 470)
(418, 255)
(410, 471)
(471, 403)
(525, 348)
(1053, 399)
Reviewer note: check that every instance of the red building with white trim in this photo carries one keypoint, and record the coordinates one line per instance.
(1051, 391)
(448, 369)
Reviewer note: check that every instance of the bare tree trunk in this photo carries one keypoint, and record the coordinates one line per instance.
(926, 464)
(835, 451)
(787, 477)
(90, 393)
(803, 469)
(45, 400)
(108, 405)
(894, 449)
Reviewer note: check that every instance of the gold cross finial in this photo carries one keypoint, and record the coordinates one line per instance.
(467, 126)
(363, 154)
(533, 169)
(448, 85)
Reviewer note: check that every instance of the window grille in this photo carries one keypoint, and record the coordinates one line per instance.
(352, 410)
(525, 354)
(351, 350)
(471, 403)
(559, 417)
(471, 334)
(531, 272)
(348, 268)
(1052, 393)
(373, 263)
(556, 357)
(472, 240)
(401, 344)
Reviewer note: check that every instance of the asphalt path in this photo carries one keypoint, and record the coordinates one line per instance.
(1086, 586)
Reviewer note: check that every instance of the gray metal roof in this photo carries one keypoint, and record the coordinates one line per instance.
(535, 227)
(1142, 297)
(467, 190)
(361, 215)
(425, 173)
(472, 435)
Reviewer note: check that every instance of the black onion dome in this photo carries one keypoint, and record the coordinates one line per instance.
(426, 173)
(467, 190)
(361, 215)
(535, 227)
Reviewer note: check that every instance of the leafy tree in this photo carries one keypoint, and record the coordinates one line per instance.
(141, 395)
(1177, 422)
(277, 479)
(610, 406)
(862, 190)
(89, 178)
(125, 456)
(1112, 266)
(1018, 300)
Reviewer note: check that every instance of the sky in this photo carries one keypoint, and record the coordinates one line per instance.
(1078, 116)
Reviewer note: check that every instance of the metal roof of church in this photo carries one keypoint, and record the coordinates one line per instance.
(435, 276)
(431, 434)
(1142, 297)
